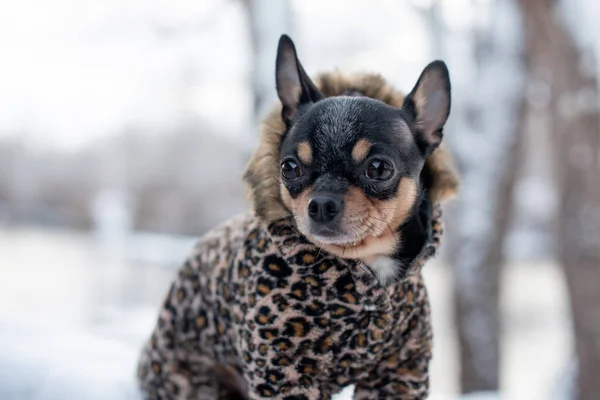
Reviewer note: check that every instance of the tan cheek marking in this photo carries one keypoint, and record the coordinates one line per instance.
(297, 206)
(300, 204)
(384, 218)
(405, 199)
(397, 210)
(376, 217)
(305, 152)
(285, 197)
(355, 203)
(379, 238)
(361, 150)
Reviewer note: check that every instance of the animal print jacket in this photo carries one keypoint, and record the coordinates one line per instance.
(295, 321)
(305, 323)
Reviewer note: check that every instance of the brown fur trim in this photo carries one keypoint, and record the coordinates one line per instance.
(262, 172)
(445, 181)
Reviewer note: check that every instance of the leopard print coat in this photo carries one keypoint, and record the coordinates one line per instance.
(299, 323)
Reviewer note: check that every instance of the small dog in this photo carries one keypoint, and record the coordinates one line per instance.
(350, 166)
(319, 287)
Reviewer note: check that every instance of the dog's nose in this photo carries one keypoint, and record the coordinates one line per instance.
(324, 208)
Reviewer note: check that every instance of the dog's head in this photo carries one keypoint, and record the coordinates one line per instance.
(350, 166)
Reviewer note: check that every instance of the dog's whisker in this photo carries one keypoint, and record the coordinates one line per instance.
(387, 224)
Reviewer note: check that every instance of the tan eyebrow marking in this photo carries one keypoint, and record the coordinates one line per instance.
(361, 150)
(305, 152)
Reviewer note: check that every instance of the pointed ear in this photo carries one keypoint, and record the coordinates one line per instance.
(294, 87)
(429, 105)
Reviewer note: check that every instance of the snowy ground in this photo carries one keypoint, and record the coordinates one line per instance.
(73, 319)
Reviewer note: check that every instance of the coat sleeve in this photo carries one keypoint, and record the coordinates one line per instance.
(170, 367)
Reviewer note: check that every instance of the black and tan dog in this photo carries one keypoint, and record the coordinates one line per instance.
(319, 287)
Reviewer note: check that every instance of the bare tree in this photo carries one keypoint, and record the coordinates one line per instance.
(486, 136)
(555, 60)
(267, 20)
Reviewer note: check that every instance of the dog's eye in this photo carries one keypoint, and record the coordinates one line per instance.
(290, 170)
(379, 170)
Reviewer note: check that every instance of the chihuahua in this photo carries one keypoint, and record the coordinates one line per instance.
(352, 167)
(319, 287)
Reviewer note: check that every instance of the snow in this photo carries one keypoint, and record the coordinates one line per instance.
(107, 64)
(72, 322)
(46, 362)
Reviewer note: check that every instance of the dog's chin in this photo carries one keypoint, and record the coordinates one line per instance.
(331, 236)
(334, 240)
(345, 245)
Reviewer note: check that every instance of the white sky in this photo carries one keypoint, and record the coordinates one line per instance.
(72, 70)
(75, 70)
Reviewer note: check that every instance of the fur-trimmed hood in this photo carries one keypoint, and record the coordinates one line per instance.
(262, 172)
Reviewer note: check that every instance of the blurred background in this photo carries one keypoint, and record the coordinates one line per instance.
(125, 127)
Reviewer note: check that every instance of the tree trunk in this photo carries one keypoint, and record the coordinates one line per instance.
(268, 20)
(489, 120)
(554, 59)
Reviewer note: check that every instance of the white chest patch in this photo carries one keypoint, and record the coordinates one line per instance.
(386, 268)
(346, 394)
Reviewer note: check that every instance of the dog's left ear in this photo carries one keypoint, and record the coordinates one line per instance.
(429, 105)
(294, 87)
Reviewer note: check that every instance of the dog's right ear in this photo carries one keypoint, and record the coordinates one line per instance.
(294, 87)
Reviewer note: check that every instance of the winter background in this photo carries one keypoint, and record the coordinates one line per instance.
(124, 128)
